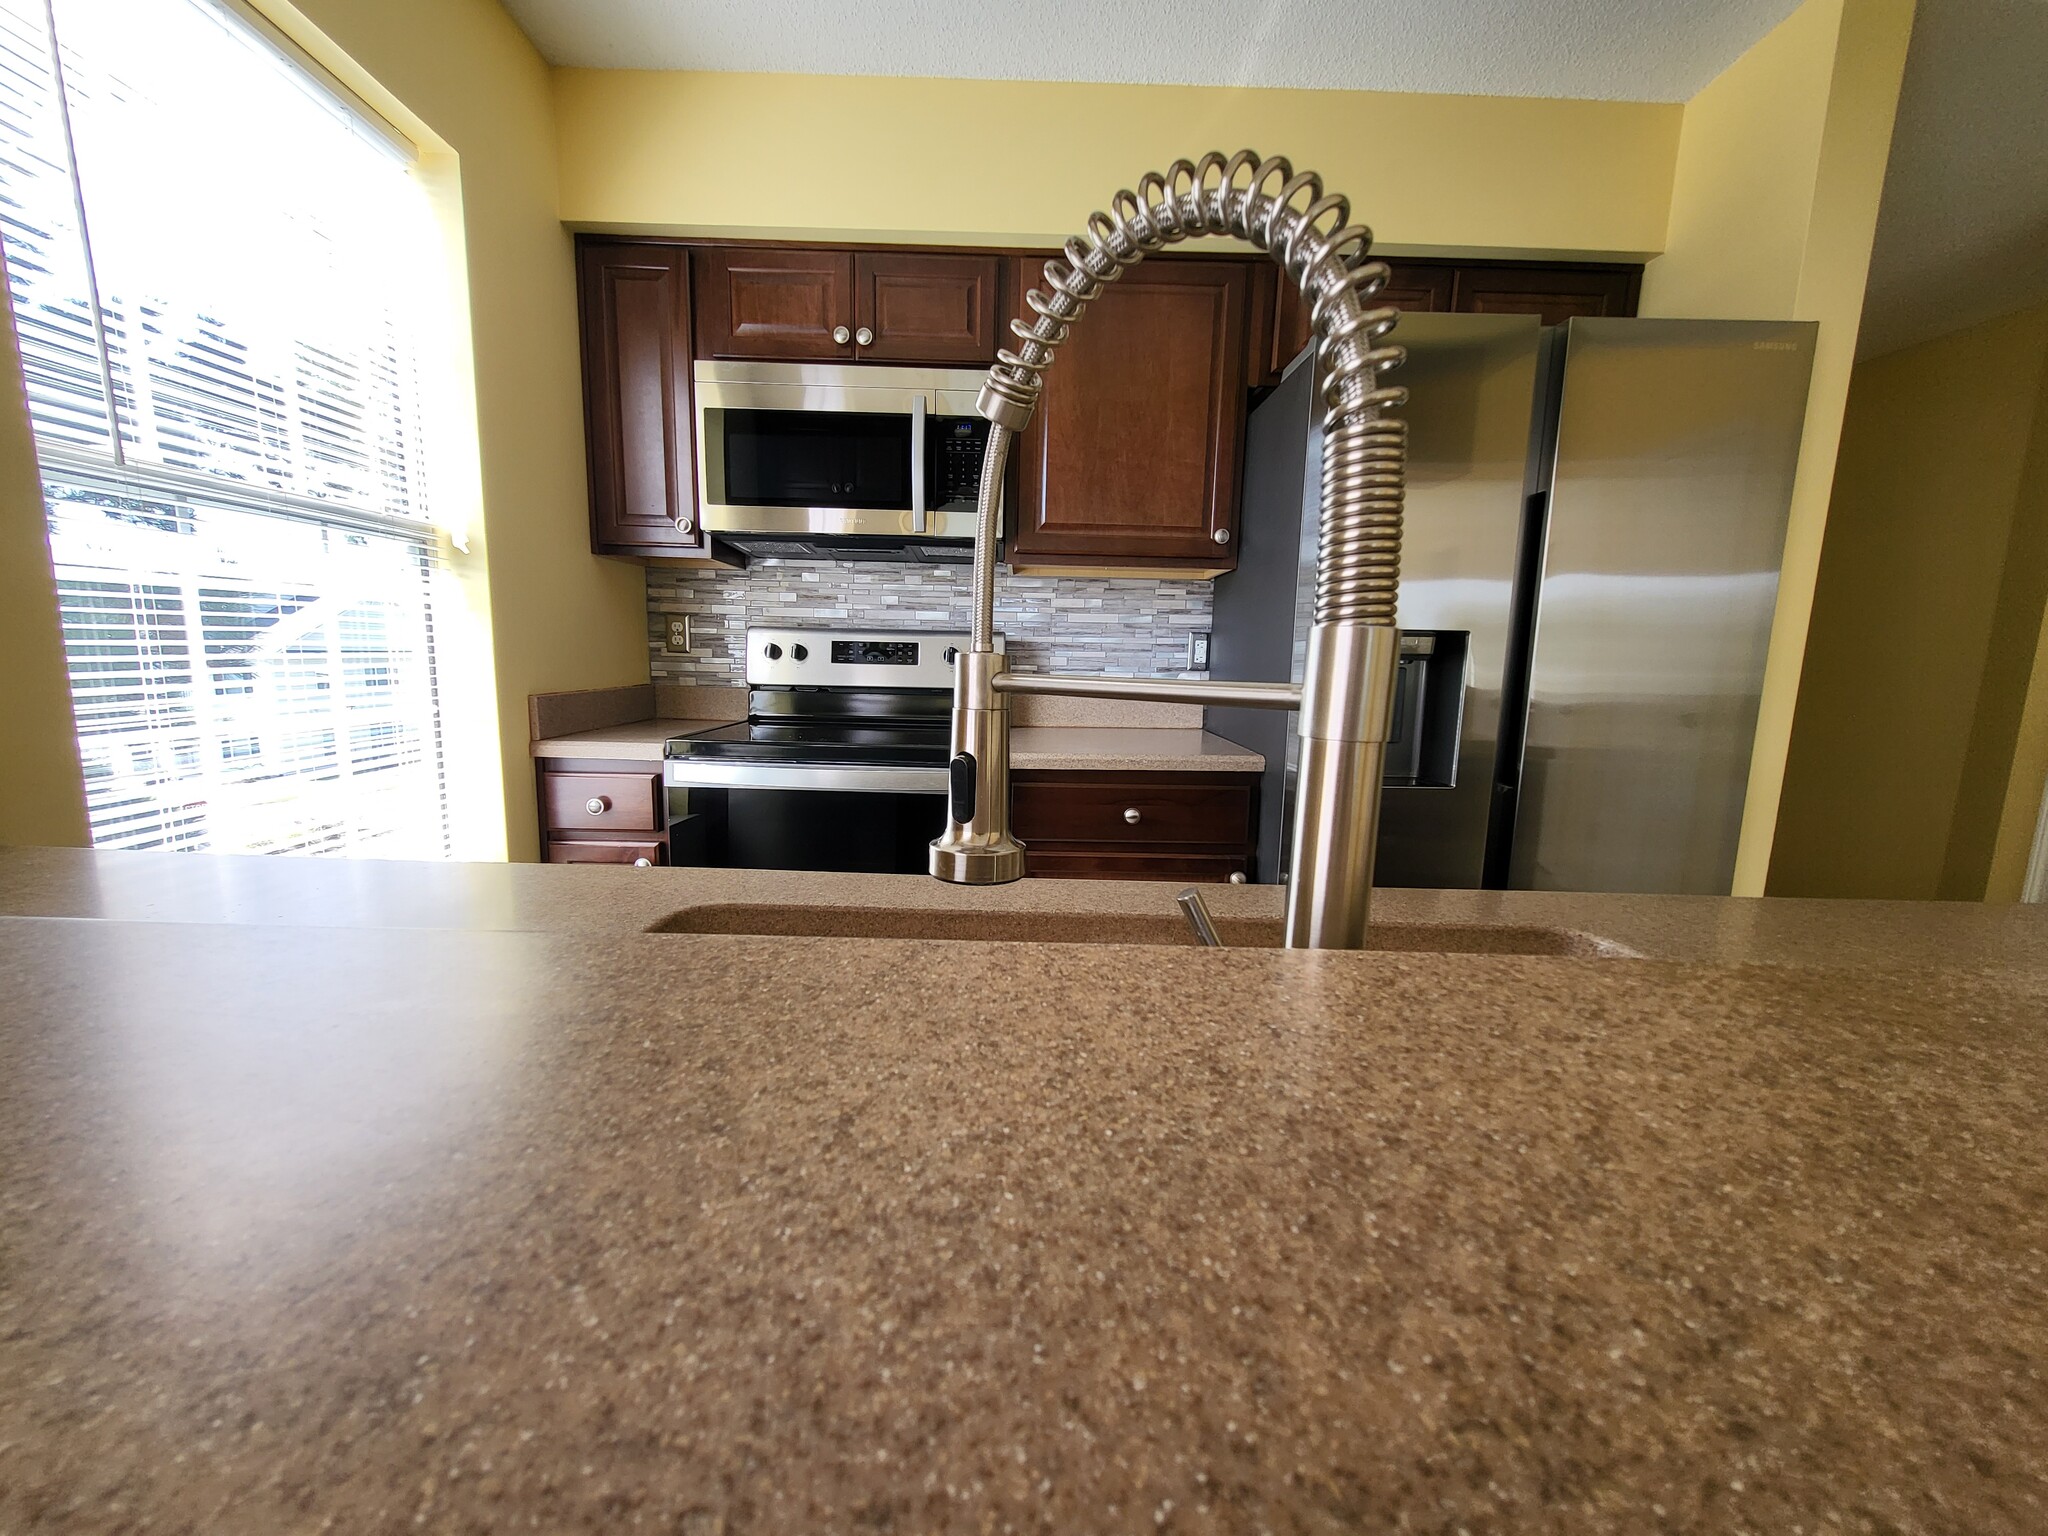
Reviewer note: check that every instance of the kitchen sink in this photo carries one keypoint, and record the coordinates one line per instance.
(820, 922)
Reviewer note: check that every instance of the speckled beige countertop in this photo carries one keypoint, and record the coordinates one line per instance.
(481, 1209)
(1100, 749)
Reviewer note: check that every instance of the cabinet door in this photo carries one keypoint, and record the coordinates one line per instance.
(1133, 455)
(635, 311)
(1556, 294)
(774, 304)
(1413, 288)
(926, 309)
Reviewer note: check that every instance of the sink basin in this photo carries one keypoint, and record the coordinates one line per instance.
(819, 922)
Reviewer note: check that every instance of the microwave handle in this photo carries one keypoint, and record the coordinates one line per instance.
(918, 404)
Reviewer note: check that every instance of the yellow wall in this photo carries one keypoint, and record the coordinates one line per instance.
(1774, 203)
(41, 799)
(1926, 623)
(1018, 162)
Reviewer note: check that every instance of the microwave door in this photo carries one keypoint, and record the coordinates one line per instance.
(806, 458)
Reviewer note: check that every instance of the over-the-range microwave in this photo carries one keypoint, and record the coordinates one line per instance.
(842, 459)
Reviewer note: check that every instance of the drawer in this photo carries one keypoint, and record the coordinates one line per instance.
(609, 850)
(1092, 864)
(602, 802)
(1129, 811)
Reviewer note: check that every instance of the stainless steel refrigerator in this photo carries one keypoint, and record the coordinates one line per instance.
(1596, 518)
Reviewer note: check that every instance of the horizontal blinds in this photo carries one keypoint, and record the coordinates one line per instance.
(217, 280)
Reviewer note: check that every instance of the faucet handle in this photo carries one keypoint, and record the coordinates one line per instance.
(1197, 913)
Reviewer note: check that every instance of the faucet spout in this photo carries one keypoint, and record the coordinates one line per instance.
(1346, 697)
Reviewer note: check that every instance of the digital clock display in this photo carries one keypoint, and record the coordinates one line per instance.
(874, 653)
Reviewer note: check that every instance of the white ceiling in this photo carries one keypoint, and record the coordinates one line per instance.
(1617, 50)
(1962, 233)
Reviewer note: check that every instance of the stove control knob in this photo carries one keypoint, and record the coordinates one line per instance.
(799, 653)
(952, 654)
(774, 651)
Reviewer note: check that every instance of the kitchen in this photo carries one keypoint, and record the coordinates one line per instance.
(1574, 1187)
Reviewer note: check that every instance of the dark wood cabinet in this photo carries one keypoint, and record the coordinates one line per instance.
(1136, 826)
(1556, 294)
(635, 307)
(1132, 457)
(775, 304)
(926, 308)
(1553, 293)
(598, 811)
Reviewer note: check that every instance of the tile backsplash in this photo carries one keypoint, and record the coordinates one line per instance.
(1133, 628)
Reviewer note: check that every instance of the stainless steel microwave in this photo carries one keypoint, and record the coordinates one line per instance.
(839, 457)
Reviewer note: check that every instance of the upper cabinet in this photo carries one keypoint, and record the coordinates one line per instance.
(1553, 293)
(847, 306)
(915, 308)
(635, 306)
(1132, 456)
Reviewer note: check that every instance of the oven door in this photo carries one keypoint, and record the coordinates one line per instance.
(868, 820)
(799, 449)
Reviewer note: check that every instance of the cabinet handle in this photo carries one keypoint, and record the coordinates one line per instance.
(1237, 877)
(864, 336)
(597, 805)
(1221, 535)
(841, 334)
(1131, 815)
(685, 523)
(643, 863)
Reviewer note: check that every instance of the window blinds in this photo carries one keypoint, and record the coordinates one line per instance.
(221, 285)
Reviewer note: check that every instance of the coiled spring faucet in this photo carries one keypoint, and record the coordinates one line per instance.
(1345, 699)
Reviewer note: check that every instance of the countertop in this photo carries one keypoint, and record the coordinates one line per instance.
(1102, 749)
(483, 1209)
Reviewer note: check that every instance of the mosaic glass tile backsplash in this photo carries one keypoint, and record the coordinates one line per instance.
(1136, 628)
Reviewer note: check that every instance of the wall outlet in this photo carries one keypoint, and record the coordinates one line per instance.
(679, 637)
(1198, 650)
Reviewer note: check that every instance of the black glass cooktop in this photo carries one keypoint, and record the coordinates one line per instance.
(761, 741)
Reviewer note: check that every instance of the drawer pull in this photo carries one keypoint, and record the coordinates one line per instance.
(643, 862)
(1131, 815)
(1237, 877)
(597, 805)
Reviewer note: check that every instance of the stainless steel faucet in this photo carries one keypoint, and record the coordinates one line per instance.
(1345, 700)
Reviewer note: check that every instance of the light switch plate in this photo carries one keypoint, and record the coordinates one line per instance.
(679, 636)
(1198, 650)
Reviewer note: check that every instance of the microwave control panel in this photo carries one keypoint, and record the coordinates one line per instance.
(957, 444)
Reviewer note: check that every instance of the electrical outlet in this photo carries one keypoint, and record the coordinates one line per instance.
(679, 636)
(1198, 650)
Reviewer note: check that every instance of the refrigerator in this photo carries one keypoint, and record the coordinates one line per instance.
(1595, 521)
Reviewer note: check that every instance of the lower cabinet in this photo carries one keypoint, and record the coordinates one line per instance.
(600, 812)
(1136, 826)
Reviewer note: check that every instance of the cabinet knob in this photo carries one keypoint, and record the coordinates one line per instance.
(643, 862)
(685, 523)
(864, 336)
(841, 335)
(1131, 815)
(597, 805)
(1222, 535)
(1237, 877)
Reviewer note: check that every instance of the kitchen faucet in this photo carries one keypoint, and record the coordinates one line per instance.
(1345, 699)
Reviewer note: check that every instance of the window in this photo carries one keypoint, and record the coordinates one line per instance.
(221, 272)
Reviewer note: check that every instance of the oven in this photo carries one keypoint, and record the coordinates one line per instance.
(890, 457)
(840, 763)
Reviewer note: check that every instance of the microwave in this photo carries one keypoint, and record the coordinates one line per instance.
(839, 459)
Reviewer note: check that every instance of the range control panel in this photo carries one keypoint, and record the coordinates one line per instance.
(840, 658)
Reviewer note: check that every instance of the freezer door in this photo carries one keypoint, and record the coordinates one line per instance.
(1676, 444)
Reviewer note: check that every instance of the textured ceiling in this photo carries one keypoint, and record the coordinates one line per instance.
(1619, 50)
(1962, 233)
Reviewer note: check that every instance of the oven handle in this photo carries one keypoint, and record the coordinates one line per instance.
(917, 428)
(695, 773)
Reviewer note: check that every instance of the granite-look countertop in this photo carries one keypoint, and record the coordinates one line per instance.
(1098, 749)
(533, 1220)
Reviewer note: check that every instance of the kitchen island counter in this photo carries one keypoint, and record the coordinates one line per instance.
(590, 1229)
